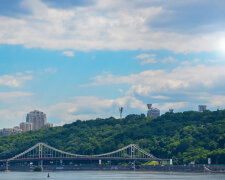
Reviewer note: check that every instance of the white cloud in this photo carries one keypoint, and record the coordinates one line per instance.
(14, 106)
(14, 81)
(150, 58)
(16, 110)
(9, 118)
(15, 94)
(179, 79)
(160, 97)
(168, 59)
(170, 105)
(148, 61)
(91, 107)
(145, 56)
(217, 101)
(68, 53)
(190, 62)
(50, 70)
(212, 100)
(110, 25)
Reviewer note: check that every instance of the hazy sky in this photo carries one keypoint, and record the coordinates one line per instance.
(82, 59)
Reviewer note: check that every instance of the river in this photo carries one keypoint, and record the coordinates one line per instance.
(109, 175)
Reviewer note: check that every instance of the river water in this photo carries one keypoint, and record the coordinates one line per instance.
(109, 175)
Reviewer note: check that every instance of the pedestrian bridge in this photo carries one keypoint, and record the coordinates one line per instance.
(42, 151)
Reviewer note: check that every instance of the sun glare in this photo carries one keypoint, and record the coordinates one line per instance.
(222, 45)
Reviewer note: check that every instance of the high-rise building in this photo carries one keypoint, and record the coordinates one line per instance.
(37, 118)
(26, 126)
(152, 112)
(201, 108)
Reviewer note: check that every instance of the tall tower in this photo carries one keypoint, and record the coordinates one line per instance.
(121, 112)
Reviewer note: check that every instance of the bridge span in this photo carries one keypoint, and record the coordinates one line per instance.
(43, 152)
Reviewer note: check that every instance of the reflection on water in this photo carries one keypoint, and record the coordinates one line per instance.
(111, 175)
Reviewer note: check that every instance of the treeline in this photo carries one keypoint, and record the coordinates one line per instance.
(185, 137)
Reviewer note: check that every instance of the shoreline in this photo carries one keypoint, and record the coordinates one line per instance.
(140, 168)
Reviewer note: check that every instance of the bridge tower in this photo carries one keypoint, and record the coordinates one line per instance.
(132, 154)
(40, 162)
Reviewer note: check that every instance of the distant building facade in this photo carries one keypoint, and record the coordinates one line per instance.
(17, 130)
(202, 108)
(152, 112)
(37, 119)
(48, 125)
(25, 126)
(8, 131)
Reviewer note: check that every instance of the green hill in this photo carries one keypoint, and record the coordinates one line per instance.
(183, 136)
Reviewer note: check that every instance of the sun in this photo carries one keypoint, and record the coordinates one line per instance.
(221, 45)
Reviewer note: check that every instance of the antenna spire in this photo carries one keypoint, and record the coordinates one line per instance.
(121, 112)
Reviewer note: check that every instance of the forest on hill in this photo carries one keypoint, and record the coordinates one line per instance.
(185, 137)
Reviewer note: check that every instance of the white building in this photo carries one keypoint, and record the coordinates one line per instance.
(25, 126)
(37, 119)
(48, 125)
(152, 112)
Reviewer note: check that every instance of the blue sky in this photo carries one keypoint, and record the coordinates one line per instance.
(83, 59)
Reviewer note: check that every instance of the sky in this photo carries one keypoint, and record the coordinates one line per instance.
(83, 59)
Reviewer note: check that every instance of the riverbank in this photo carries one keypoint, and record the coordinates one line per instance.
(165, 168)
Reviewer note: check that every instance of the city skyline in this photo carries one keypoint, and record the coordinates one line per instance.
(35, 120)
(150, 112)
(84, 59)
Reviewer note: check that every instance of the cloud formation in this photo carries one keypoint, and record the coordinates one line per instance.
(14, 94)
(91, 107)
(180, 78)
(50, 70)
(68, 53)
(114, 25)
(151, 58)
(14, 81)
(182, 84)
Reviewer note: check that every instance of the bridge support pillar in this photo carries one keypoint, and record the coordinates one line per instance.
(7, 166)
(133, 165)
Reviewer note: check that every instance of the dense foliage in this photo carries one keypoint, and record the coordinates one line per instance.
(188, 136)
